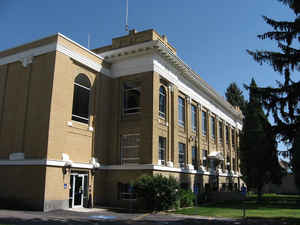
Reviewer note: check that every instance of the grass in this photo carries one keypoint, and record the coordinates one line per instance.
(272, 206)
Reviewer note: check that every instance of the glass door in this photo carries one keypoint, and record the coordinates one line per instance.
(78, 190)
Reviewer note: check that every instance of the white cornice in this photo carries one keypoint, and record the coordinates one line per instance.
(43, 162)
(82, 59)
(162, 168)
(28, 53)
(25, 56)
(155, 56)
(79, 45)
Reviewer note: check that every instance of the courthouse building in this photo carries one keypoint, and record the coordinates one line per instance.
(78, 126)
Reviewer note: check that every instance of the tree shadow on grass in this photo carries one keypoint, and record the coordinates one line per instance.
(183, 221)
(252, 205)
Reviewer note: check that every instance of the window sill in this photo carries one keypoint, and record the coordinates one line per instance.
(79, 125)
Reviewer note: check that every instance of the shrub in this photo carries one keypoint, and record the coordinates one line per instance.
(158, 192)
(187, 198)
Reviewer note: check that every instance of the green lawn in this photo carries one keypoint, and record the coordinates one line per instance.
(272, 206)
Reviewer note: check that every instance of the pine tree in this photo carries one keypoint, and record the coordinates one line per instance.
(283, 101)
(235, 97)
(258, 147)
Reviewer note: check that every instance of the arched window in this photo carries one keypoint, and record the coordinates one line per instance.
(162, 102)
(81, 97)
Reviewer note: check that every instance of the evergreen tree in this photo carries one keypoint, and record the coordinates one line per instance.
(258, 147)
(235, 97)
(283, 101)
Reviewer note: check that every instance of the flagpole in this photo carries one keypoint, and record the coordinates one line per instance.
(126, 27)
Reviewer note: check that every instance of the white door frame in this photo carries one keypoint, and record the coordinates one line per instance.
(83, 176)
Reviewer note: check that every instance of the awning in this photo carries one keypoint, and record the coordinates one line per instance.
(216, 155)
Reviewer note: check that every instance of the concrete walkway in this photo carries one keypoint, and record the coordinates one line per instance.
(117, 217)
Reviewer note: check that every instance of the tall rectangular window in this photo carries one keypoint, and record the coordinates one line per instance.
(130, 144)
(194, 157)
(221, 131)
(181, 111)
(232, 138)
(234, 164)
(162, 149)
(194, 117)
(131, 97)
(228, 163)
(213, 127)
(181, 152)
(204, 123)
(204, 158)
(227, 135)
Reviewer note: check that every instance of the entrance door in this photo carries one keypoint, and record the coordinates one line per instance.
(78, 190)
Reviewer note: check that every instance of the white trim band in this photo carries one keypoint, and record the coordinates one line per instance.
(43, 162)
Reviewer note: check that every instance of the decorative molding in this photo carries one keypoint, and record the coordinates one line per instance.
(172, 68)
(82, 59)
(28, 53)
(41, 162)
(26, 57)
(27, 60)
(161, 168)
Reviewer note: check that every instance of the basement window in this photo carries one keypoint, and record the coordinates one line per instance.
(126, 192)
(81, 98)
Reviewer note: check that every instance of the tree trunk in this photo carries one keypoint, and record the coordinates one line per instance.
(259, 193)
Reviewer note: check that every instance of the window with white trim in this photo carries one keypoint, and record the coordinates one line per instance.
(213, 127)
(181, 111)
(204, 123)
(194, 117)
(130, 145)
(81, 98)
(162, 102)
(221, 135)
(162, 150)
(131, 97)
(181, 154)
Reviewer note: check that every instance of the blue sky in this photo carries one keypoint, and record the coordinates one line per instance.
(210, 36)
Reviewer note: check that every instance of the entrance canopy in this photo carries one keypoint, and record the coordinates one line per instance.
(216, 155)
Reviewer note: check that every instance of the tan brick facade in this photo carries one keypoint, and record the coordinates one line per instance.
(42, 145)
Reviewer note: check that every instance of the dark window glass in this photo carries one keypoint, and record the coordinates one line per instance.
(228, 163)
(181, 154)
(126, 192)
(132, 94)
(194, 117)
(232, 138)
(234, 164)
(185, 186)
(213, 127)
(204, 158)
(162, 148)
(162, 102)
(227, 134)
(181, 111)
(194, 157)
(204, 123)
(81, 98)
(221, 131)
